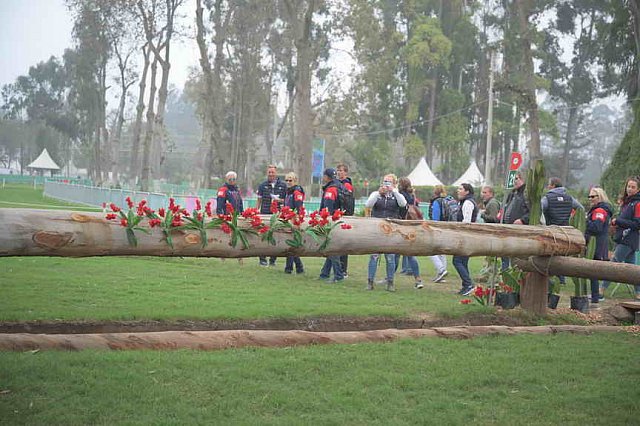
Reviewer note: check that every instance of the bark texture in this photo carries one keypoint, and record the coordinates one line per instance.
(580, 267)
(25, 232)
(215, 340)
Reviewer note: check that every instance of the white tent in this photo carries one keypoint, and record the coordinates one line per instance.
(43, 162)
(422, 175)
(472, 176)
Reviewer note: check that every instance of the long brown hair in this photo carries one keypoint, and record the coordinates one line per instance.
(623, 195)
(404, 184)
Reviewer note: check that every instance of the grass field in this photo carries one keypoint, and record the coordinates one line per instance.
(539, 380)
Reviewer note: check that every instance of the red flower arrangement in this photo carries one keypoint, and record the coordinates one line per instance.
(481, 295)
(320, 226)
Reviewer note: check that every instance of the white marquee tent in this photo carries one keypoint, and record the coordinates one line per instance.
(43, 163)
(422, 175)
(472, 176)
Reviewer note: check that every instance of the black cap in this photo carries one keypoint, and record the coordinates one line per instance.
(330, 172)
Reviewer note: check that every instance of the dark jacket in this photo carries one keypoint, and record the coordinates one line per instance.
(266, 189)
(294, 198)
(516, 207)
(628, 223)
(491, 211)
(474, 215)
(598, 219)
(411, 199)
(557, 205)
(230, 193)
(330, 196)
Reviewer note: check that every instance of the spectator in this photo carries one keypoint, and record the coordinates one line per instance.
(627, 226)
(557, 204)
(330, 202)
(467, 213)
(343, 177)
(273, 190)
(229, 193)
(491, 205)
(386, 202)
(294, 199)
(410, 265)
(598, 219)
(436, 212)
(516, 209)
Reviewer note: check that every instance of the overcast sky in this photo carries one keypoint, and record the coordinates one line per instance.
(31, 31)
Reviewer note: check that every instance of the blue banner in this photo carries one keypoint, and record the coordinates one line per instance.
(317, 159)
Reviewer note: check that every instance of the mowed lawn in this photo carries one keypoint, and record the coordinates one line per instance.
(546, 380)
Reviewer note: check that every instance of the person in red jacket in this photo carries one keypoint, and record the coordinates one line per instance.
(598, 219)
(330, 202)
(229, 193)
(294, 199)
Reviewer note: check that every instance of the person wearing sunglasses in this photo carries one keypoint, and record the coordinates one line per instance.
(598, 219)
(229, 193)
(294, 199)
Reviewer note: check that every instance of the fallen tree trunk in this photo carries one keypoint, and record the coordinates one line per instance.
(25, 232)
(212, 340)
(580, 267)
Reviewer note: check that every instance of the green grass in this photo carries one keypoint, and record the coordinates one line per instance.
(533, 380)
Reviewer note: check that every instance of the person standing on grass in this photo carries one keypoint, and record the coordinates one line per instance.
(343, 176)
(272, 190)
(627, 226)
(294, 199)
(491, 205)
(386, 202)
(330, 188)
(516, 208)
(436, 212)
(229, 193)
(598, 219)
(467, 213)
(412, 266)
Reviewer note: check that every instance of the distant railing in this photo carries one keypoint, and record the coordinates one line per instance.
(40, 180)
(95, 196)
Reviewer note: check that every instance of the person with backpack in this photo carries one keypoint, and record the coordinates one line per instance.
(294, 199)
(468, 213)
(438, 211)
(347, 202)
(627, 226)
(330, 194)
(386, 202)
(412, 266)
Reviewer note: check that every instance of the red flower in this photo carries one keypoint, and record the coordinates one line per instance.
(324, 213)
(324, 222)
(274, 207)
(250, 212)
(478, 292)
(314, 215)
(198, 205)
(465, 301)
(176, 222)
(225, 228)
(337, 215)
(154, 222)
(313, 222)
(114, 208)
(229, 208)
(256, 222)
(123, 222)
(161, 212)
(507, 289)
(345, 226)
(263, 229)
(111, 216)
(200, 216)
(129, 202)
(208, 209)
(172, 203)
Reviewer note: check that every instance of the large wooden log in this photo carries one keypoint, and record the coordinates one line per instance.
(579, 267)
(25, 232)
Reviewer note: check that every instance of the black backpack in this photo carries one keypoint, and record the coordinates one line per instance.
(346, 200)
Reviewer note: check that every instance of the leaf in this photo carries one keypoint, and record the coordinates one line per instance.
(131, 238)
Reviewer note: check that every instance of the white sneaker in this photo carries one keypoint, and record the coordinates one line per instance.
(440, 276)
(418, 285)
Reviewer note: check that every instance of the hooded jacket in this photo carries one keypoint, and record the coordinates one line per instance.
(557, 205)
(330, 195)
(230, 193)
(516, 206)
(598, 219)
(294, 197)
(628, 223)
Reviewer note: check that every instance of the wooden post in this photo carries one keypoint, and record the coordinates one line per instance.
(533, 293)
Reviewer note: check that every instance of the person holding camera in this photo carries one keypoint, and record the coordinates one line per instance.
(386, 202)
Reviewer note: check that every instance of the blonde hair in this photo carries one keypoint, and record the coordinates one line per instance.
(393, 177)
(602, 196)
(439, 191)
(292, 176)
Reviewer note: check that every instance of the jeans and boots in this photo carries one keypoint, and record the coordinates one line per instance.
(373, 266)
(291, 260)
(332, 262)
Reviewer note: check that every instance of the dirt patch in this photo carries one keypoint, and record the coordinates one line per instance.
(511, 318)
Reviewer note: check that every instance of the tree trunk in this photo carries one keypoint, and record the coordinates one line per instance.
(137, 127)
(25, 232)
(572, 127)
(148, 134)
(582, 268)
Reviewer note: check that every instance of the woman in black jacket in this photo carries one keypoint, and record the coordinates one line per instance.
(598, 219)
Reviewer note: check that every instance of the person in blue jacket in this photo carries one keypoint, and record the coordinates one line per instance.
(598, 219)
(294, 199)
(229, 193)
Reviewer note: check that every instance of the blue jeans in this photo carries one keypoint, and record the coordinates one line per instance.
(391, 265)
(289, 265)
(406, 266)
(332, 262)
(623, 254)
(461, 263)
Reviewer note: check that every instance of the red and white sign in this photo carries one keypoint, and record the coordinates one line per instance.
(516, 161)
